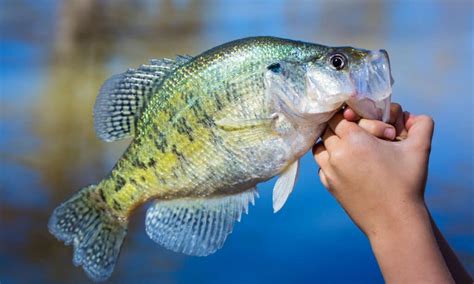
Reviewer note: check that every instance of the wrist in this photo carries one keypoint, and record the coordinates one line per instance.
(400, 218)
(407, 250)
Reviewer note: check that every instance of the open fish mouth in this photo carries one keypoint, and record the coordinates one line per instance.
(366, 86)
(372, 87)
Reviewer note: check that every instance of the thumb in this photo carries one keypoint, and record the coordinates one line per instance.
(420, 130)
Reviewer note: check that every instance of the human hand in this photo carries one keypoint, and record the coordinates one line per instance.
(380, 129)
(377, 182)
(380, 184)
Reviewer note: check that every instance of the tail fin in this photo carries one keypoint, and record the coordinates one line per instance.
(96, 235)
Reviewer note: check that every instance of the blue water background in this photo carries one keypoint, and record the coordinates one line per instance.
(54, 56)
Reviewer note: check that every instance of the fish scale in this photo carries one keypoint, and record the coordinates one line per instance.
(206, 130)
(164, 116)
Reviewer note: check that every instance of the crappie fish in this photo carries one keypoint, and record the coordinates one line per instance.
(206, 130)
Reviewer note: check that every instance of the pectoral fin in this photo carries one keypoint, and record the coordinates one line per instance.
(246, 131)
(284, 186)
(196, 226)
(230, 124)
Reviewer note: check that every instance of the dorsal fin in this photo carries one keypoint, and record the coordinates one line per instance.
(122, 97)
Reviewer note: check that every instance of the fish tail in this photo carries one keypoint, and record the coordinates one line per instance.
(88, 223)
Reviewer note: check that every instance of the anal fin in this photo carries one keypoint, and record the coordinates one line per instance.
(196, 226)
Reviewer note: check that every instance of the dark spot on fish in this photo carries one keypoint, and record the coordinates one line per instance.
(160, 142)
(152, 163)
(228, 94)
(196, 109)
(117, 205)
(162, 180)
(137, 163)
(141, 165)
(175, 175)
(176, 152)
(119, 183)
(133, 181)
(218, 101)
(143, 178)
(275, 68)
(101, 194)
(206, 120)
(183, 127)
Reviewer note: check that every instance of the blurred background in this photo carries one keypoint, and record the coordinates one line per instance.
(54, 56)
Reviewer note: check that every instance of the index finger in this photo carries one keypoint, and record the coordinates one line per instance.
(350, 114)
(397, 119)
(342, 127)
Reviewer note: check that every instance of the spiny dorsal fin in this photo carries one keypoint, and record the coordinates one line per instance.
(196, 226)
(122, 97)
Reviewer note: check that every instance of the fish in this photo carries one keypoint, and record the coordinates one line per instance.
(205, 131)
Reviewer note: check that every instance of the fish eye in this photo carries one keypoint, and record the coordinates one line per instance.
(338, 61)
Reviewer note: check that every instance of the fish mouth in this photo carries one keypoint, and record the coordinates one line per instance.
(366, 87)
(372, 87)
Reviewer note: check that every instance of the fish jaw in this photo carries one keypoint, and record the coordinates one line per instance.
(366, 87)
(373, 87)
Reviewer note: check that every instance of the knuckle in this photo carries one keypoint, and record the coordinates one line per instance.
(428, 119)
(357, 138)
(396, 112)
(320, 159)
(396, 107)
(372, 128)
(359, 145)
(336, 157)
(354, 129)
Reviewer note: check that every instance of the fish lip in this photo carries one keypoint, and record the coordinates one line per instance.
(385, 54)
(372, 87)
(320, 101)
(371, 109)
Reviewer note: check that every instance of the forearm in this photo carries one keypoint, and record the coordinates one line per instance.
(407, 250)
(455, 266)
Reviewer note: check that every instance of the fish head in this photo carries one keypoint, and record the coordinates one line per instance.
(358, 77)
(343, 75)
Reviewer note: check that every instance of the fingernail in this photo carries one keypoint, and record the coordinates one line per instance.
(389, 133)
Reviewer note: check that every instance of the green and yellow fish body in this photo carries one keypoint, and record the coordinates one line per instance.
(206, 130)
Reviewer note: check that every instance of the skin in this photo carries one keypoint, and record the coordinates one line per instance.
(385, 199)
